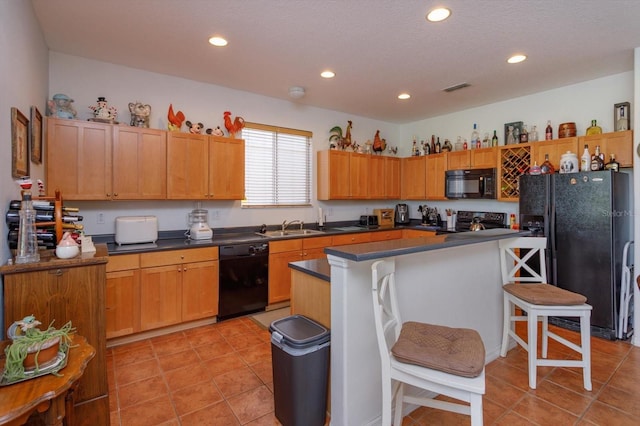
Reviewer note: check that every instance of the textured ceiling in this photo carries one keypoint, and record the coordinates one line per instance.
(377, 48)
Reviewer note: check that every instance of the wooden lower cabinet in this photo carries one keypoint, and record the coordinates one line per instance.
(391, 234)
(67, 290)
(416, 233)
(161, 300)
(123, 295)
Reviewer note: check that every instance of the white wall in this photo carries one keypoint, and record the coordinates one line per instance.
(24, 69)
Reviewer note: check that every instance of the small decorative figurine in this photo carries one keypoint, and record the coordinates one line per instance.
(235, 126)
(195, 128)
(102, 112)
(379, 144)
(140, 114)
(175, 120)
(60, 106)
(335, 137)
(215, 132)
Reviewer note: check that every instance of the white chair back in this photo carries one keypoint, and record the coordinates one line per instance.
(513, 262)
(385, 307)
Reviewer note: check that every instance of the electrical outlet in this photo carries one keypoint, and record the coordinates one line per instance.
(100, 219)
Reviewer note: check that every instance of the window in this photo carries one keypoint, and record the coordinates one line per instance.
(277, 166)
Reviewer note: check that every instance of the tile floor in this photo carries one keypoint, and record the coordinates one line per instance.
(221, 375)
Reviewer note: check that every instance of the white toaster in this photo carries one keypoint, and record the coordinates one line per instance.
(136, 229)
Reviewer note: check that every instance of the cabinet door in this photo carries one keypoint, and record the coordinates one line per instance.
(123, 303)
(359, 176)
(160, 297)
(199, 290)
(435, 180)
(139, 163)
(459, 160)
(226, 168)
(555, 148)
(280, 275)
(618, 143)
(392, 178)
(484, 158)
(333, 177)
(79, 159)
(187, 166)
(377, 177)
(313, 248)
(413, 178)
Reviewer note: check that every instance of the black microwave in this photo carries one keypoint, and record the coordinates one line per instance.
(474, 183)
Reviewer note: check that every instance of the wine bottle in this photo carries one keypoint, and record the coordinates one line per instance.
(594, 129)
(612, 164)
(585, 160)
(548, 132)
(13, 216)
(438, 146)
(597, 162)
(494, 139)
(42, 205)
(547, 168)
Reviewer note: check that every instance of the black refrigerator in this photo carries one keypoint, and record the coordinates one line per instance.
(586, 218)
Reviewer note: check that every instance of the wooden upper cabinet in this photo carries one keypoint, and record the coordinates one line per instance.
(618, 143)
(358, 175)
(226, 168)
(555, 148)
(414, 178)
(377, 177)
(187, 166)
(333, 175)
(435, 176)
(459, 160)
(484, 158)
(79, 161)
(139, 163)
(392, 178)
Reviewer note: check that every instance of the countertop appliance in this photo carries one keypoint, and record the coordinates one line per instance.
(198, 224)
(585, 217)
(243, 279)
(402, 214)
(136, 229)
(474, 183)
(385, 217)
(369, 221)
(490, 220)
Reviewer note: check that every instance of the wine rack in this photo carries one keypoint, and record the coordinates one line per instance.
(514, 161)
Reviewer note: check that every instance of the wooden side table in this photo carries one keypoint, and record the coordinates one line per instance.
(50, 395)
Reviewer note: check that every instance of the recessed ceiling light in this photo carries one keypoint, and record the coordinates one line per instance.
(404, 96)
(327, 74)
(439, 14)
(515, 59)
(218, 41)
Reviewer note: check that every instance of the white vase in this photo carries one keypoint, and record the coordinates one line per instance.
(569, 163)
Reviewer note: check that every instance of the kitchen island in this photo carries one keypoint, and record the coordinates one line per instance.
(451, 280)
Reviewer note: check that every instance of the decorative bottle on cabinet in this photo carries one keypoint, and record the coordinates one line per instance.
(475, 137)
(524, 136)
(623, 122)
(548, 132)
(597, 163)
(585, 160)
(494, 139)
(612, 164)
(27, 237)
(547, 168)
(594, 129)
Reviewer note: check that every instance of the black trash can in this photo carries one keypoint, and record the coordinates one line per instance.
(300, 354)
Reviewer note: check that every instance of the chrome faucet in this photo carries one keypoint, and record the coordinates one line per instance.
(286, 224)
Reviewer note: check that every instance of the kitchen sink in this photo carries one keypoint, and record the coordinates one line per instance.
(290, 233)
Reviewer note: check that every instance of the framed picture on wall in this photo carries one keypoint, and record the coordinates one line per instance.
(622, 116)
(35, 135)
(19, 144)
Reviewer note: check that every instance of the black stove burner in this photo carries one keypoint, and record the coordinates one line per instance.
(490, 220)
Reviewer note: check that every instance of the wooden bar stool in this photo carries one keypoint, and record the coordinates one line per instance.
(441, 360)
(527, 289)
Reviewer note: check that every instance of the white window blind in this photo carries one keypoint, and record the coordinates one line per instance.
(277, 166)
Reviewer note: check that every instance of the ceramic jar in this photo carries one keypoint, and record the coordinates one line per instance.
(569, 163)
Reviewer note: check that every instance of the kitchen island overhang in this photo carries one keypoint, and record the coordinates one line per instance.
(451, 279)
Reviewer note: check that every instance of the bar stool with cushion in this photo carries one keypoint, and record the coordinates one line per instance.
(526, 287)
(441, 360)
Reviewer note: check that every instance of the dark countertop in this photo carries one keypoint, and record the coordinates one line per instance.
(318, 268)
(48, 260)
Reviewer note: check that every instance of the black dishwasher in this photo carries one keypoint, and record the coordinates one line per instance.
(243, 279)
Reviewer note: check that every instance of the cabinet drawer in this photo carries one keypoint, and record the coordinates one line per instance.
(316, 242)
(123, 262)
(341, 240)
(395, 234)
(175, 257)
(286, 245)
(416, 233)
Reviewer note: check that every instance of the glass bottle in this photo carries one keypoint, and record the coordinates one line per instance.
(594, 129)
(533, 134)
(486, 142)
(548, 132)
(27, 237)
(432, 148)
(612, 164)
(524, 135)
(475, 137)
(622, 123)
(585, 160)
(510, 137)
(465, 145)
(494, 139)
(597, 162)
(547, 168)
(459, 144)
(414, 149)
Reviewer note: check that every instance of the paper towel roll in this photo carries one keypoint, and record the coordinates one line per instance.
(320, 217)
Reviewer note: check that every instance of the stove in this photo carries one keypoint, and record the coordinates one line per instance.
(490, 220)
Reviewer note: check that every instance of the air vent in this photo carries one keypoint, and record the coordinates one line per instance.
(456, 87)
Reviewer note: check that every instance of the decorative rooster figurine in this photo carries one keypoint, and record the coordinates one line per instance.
(175, 120)
(379, 145)
(235, 126)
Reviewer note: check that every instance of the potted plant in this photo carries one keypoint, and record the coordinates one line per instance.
(33, 350)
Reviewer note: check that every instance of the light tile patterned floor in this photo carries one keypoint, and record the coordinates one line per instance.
(221, 375)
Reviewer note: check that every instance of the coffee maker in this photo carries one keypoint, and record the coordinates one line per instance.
(402, 214)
